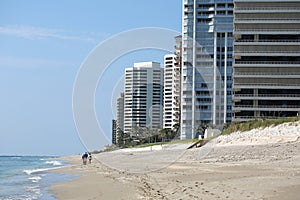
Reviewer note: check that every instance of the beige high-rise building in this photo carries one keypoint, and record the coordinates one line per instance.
(266, 71)
(120, 116)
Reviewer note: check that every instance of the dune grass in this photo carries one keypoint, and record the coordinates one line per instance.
(259, 123)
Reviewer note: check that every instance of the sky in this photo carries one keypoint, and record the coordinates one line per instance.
(43, 44)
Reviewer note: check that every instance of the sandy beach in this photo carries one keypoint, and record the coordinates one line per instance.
(225, 168)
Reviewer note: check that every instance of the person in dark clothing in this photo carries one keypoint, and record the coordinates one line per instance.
(84, 158)
(90, 158)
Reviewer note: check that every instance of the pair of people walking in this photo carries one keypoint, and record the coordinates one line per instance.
(85, 157)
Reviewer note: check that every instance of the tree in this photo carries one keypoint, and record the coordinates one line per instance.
(176, 130)
(167, 133)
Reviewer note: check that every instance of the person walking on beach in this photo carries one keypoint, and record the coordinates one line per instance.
(84, 158)
(90, 158)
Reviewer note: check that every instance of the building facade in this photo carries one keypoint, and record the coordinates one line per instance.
(114, 132)
(267, 59)
(120, 116)
(143, 96)
(206, 89)
(172, 86)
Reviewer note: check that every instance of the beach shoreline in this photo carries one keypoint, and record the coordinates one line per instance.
(252, 172)
(94, 181)
(237, 166)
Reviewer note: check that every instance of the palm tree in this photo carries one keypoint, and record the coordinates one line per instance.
(176, 129)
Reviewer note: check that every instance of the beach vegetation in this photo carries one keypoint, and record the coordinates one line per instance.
(141, 137)
(258, 123)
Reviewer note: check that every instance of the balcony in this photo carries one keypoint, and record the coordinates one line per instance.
(205, 9)
(184, 88)
(266, 30)
(267, 63)
(267, 75)
(265, 20)
(266, 42)
(266, 53)
(266, 108)
(265, 86)
(189, 9)
(176, 104)
(266, 9)
(266, 97)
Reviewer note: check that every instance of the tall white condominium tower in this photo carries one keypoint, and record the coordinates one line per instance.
(206, 64)
(172, 84)
(143, 98)
(171, 92)
(267, 59)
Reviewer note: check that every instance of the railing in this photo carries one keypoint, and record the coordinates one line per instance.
(271, 74)
(268, 62)
(212, 1)
(267, 95)
(269, 8)
(264, 51)
(188, 9)
(267, 30)
(265, 106)
(265, 84)
(267, 19)
(268, 41)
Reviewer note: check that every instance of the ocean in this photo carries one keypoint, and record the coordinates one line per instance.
(28, 177)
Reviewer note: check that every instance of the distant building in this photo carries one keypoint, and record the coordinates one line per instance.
(172, 84)
(120, 116)
(267, 59)
(143, 96)
(206, 84)
(114, 132)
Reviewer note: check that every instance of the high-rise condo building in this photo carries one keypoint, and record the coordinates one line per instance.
(114, 132)
(267, 59)
(143, 97)
(172, 84)
(120, 116)
(206, 64)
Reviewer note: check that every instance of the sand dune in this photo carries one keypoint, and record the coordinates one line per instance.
(286, 132)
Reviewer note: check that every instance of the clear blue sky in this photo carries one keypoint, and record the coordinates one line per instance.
(42, 45)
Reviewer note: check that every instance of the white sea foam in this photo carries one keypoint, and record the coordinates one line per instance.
(53, 162)
(35, 191)
(35, 179)
(16, 158)
(34, 171)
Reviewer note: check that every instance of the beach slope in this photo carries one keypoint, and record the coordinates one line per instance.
(227, 168)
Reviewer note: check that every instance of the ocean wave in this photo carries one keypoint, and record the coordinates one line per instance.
(53, 162)
(35, 179)
(15, 157)
(35, 171)
(35, 192)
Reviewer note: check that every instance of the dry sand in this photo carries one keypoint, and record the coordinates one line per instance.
(239, 171)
